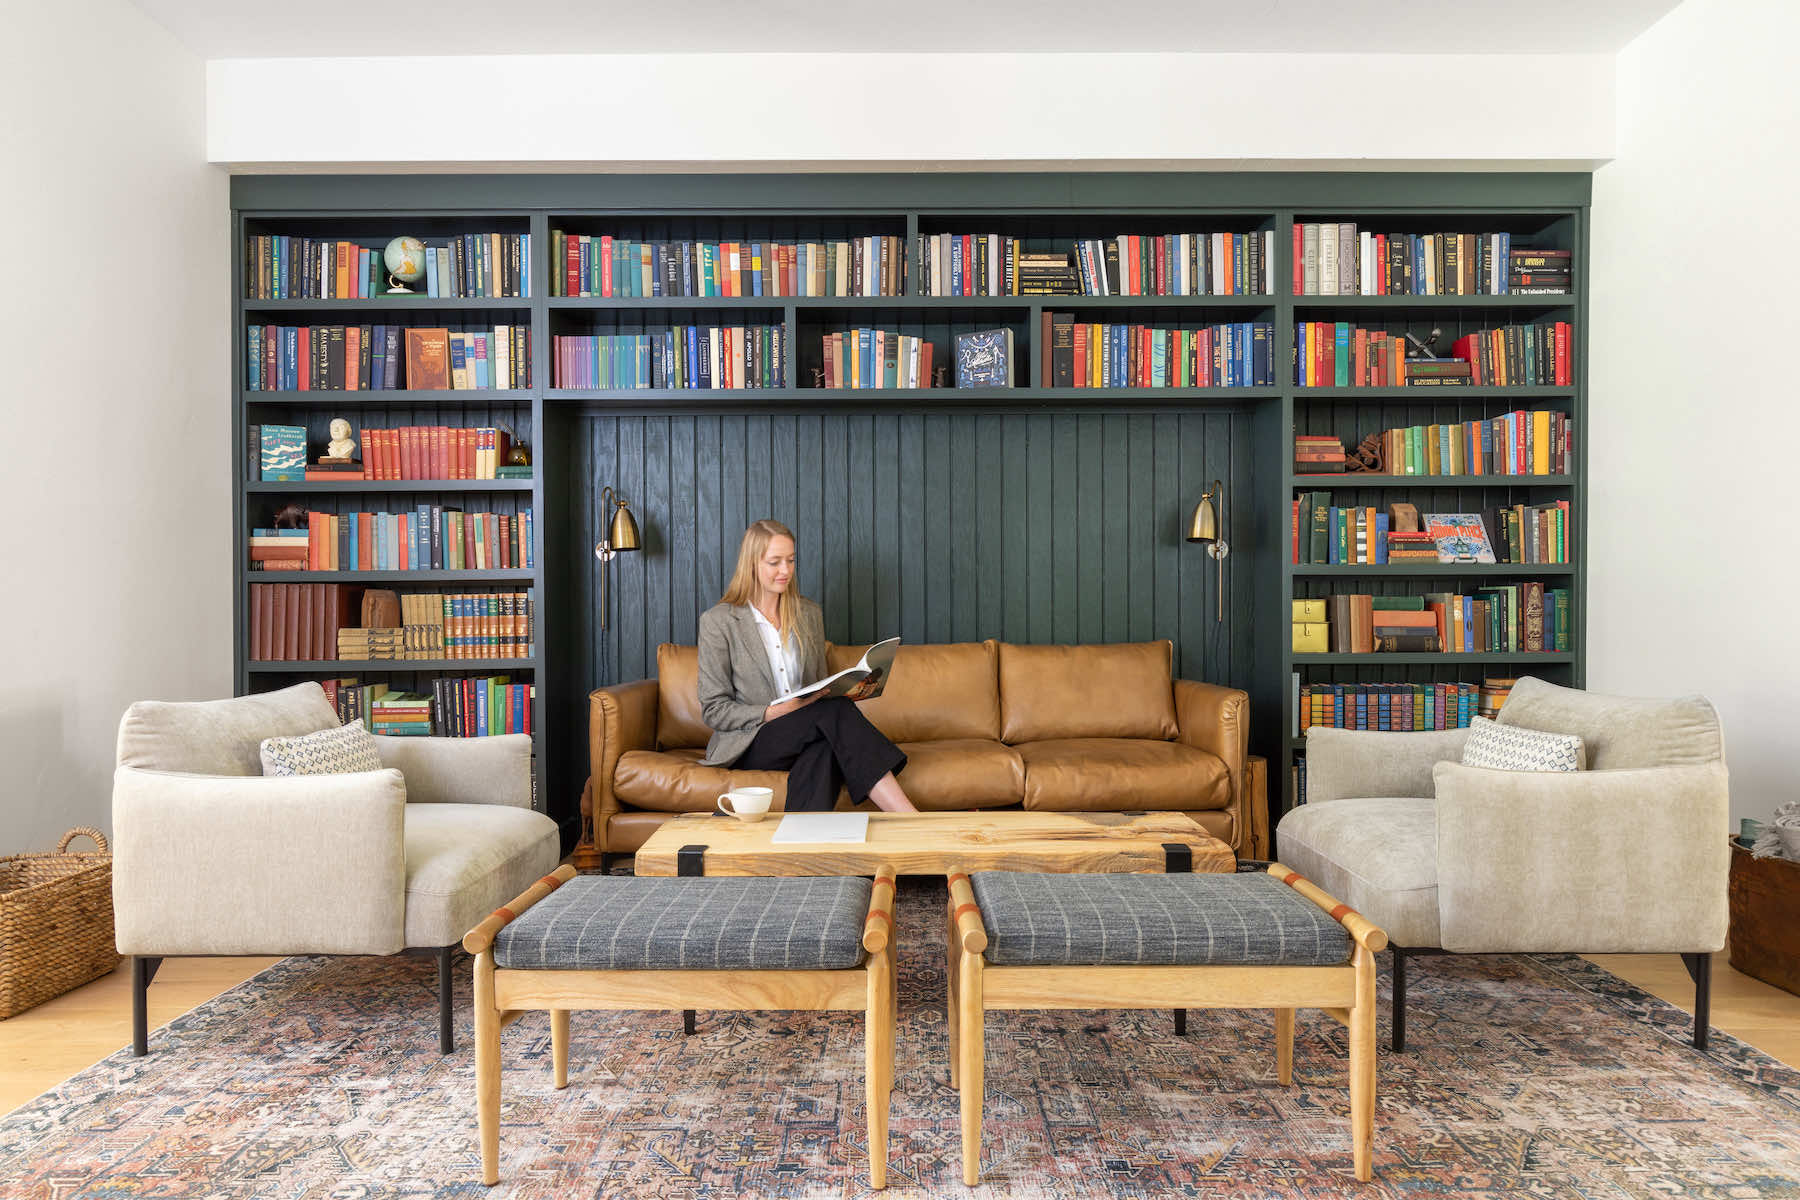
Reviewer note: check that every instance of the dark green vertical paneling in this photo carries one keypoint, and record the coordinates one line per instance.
(932, 527)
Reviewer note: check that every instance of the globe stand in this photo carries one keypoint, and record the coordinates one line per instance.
(396, 288)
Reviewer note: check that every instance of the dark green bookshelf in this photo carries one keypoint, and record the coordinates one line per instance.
(1132, 579)
(387, 666)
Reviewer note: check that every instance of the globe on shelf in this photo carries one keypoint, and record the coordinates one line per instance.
(405, 260)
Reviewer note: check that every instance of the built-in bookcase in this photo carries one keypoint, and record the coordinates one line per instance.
(1134, 576)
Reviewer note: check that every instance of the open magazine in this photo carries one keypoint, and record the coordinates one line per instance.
(864, 681)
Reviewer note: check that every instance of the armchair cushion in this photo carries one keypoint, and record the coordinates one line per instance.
(1620, 732)
(218, 737)
(479, 770)
(464, 859)
(1344, 763)
(1378, 855)
(1515, 748)
(335, 751)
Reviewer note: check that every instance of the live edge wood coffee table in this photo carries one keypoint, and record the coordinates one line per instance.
(940, 843)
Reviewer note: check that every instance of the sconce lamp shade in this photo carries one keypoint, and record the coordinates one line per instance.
(624, 530)
(1204, 527)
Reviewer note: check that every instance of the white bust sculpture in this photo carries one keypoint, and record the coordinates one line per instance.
(342, 444)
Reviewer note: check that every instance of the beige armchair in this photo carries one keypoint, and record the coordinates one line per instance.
(1628, 856)
(210, 857)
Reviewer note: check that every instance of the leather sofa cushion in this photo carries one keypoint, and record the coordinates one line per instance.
(962, 773)
(674, 781)
(678, 721)
(937, 692)
(1122, 775)
(1115, 691)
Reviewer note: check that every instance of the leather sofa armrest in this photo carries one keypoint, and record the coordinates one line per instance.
(1217, 720)
(620, 718)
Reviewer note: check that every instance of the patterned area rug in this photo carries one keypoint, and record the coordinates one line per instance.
(320, 1078)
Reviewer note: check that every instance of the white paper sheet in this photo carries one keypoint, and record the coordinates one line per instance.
(822, 827)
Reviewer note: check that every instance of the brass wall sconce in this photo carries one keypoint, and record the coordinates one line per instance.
(1208, 526)
(621, 536)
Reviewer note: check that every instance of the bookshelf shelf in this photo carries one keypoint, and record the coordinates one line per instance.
(1364, 480)
(1510, 300)
(879, 398)
(462, 577)
(393, 485)
(1389, 570)
(1432, 395)
(388, 666)
(877, 303)
(390, 304)
(1546, 658)
(394, 398)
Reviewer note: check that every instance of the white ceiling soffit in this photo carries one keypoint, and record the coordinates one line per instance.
(354, 28)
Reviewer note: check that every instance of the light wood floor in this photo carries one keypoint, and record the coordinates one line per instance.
(44, 1046)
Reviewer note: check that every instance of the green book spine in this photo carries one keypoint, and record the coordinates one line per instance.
(1321, 527)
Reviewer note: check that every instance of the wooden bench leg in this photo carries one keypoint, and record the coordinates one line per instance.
(1284, 1046)
(559, 1046)
(1362, 1063)
(878, 1064)
(952, 1019)
(487, 1067)
(969, 1059)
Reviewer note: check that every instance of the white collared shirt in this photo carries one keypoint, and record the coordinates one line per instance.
(784, 659)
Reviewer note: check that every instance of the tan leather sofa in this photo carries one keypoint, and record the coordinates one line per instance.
(984, 725)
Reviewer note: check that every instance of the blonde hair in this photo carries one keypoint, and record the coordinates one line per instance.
(744, 589)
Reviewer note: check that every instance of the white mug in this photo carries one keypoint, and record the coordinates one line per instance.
(747, 803)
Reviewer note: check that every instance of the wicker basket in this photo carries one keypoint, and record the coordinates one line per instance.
(56, 922)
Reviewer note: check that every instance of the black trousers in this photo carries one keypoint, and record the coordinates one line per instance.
(826, 745)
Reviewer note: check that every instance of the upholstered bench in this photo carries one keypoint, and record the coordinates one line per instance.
(1261, 940)
(616, 942)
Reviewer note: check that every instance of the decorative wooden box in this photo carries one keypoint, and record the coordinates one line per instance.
(1765, 918)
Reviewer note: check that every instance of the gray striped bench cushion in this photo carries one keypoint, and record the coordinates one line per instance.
(1153, 920)
(620, 923)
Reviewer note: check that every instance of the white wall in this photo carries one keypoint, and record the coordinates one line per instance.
(117, 498)
(935, 111)
(1695, 558)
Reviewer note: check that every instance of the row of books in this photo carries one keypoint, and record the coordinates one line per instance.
(438, 625)
(875, 358)
(1521, 442)
(1322, 532)
(1174, 264)
(608, 266)
(1340, 354)
(431, 538)
(1395, 707)
(472, 265)
(299, 621)
(1389, 707)
(477, 706)
(1502, 618)
(278, 454)
(1519, 355)
(1108, 355)
(687, 356)
(1338, 259)
(353, 358)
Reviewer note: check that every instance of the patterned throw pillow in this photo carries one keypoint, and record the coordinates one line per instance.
(1512, 748)
(327, 752)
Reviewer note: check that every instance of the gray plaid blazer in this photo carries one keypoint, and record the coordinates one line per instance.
(736, 685)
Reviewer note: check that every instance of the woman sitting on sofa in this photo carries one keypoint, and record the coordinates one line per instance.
(763, 639)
